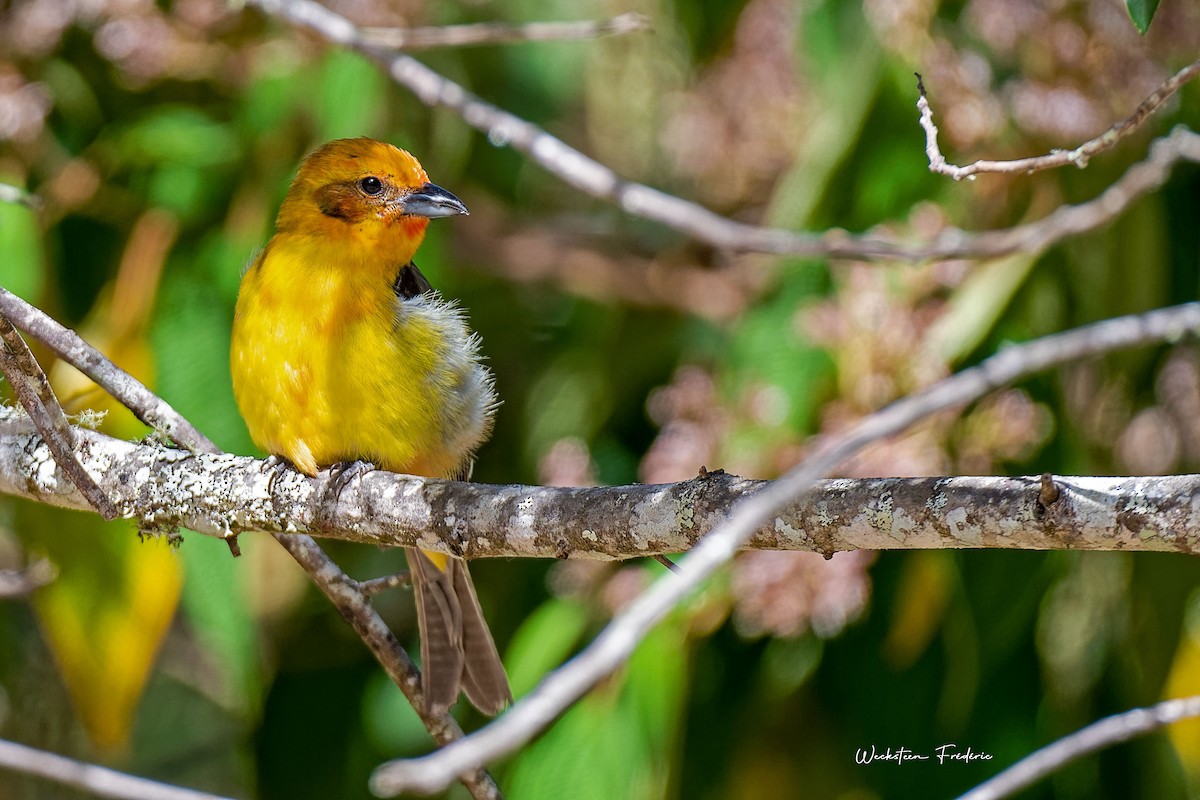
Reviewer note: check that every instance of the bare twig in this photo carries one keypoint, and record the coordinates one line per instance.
(347, 597)
(334, 583)
(613, 645)
(67, 345)
(15, 194)
(486, 33)
(94, 780)
(34, 393)
(1104, 733)
(1058, 158)
(666, 562)
(374, 586)
(593, 178)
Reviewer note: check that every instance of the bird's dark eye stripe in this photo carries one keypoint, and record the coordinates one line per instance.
(371, 185)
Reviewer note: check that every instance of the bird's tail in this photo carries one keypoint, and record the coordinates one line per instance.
(457, 650)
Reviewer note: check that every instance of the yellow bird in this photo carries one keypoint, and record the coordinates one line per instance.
(342, 351)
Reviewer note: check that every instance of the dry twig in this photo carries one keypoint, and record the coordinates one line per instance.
(96, 781)
(1058, 158)
(488, 33)
(67, 345)
(1104, 733)
(35, 395)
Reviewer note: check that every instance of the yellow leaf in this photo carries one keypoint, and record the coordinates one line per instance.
(926, 582)
(1184, 681)
(106, 615)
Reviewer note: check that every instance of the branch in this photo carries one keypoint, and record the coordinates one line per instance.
(67, 345)
(347, 596)
(595, 179)
(221, 495)
(501, 33)
(615, 643)
(1108, 731)
(36, 396)
(95, 780)
(1057, 158)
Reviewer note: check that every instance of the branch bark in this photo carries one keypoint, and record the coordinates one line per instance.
(165, 488)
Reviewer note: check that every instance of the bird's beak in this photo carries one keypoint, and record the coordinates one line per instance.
(431, 201)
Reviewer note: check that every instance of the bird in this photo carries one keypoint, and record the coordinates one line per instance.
(343, 353)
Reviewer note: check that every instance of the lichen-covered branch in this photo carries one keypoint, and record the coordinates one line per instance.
(216, 494)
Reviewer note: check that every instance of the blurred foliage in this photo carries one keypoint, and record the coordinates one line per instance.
(162, 136)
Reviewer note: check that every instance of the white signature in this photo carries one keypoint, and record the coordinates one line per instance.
(902, 755)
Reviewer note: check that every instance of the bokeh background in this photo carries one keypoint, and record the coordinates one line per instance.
(162, 135)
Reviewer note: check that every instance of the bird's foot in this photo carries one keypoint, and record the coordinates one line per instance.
(275, 467)
(341, 475)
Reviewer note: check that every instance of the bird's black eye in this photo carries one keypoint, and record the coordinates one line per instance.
(371, 185)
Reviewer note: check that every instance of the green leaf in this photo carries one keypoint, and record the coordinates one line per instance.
(543, 641)
(349, 96)
(21, 272)
(177, 135)
(1141, 12)
(619, 740)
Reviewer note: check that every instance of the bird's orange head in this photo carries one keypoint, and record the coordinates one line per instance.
(364, 196)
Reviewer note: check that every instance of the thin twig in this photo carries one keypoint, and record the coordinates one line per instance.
(94, 780)
(488, 33)
(17, 195)
(374, 586)
(1057, 158)
(67, 345)
(36, 396)
(1104, 733)
(666, 562)
(616, 642)
(347, 597)
(593, 178)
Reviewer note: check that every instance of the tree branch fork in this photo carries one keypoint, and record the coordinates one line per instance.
(225, 495)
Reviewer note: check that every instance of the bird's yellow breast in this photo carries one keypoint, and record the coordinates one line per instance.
(330, 365)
